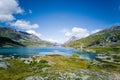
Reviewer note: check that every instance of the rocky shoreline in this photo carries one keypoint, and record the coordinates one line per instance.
(56, 67)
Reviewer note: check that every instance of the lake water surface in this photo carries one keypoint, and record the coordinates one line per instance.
(42, 51)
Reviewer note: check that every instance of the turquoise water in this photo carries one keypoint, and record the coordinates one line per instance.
(42, 51)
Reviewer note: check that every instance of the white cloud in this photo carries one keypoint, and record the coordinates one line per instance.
(6, 17)
(95, 31)
(24, 24)
(34, 32)
(30, 11)
(8, 8)
(78, 32)
(51, 40)
(68, 34)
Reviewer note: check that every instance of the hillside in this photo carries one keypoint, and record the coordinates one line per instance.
(6, 42)
(106, 41)
(72, 39)
(20, 37)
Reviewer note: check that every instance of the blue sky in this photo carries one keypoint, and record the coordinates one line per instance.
(58, 20)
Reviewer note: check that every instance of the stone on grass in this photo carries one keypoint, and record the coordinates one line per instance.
(4, 64)
(34, 78)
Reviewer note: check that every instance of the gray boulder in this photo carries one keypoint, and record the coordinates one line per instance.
(4, 64)
(34, 78)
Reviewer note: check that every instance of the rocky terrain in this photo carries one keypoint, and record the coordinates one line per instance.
(57, 67)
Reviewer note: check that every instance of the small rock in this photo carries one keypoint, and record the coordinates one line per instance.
(51, 63)
(27, 60)
(1, 56)
(34, 78)
(44, 69)
(60, 78)
(4, 64)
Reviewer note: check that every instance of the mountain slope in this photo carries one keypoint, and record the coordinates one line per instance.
(73, 38)
(17, 35)
(107, 40)
(22, 37)
(6, 42)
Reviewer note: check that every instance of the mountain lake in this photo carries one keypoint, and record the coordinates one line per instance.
(42, 51)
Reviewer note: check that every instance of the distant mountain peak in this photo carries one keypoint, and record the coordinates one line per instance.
(73, 38)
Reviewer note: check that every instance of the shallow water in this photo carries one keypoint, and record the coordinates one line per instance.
(42, 51)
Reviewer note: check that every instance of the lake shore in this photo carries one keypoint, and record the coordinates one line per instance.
(58, 67)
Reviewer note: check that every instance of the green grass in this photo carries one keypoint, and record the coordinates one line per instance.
(100, 49)
(18, 70)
